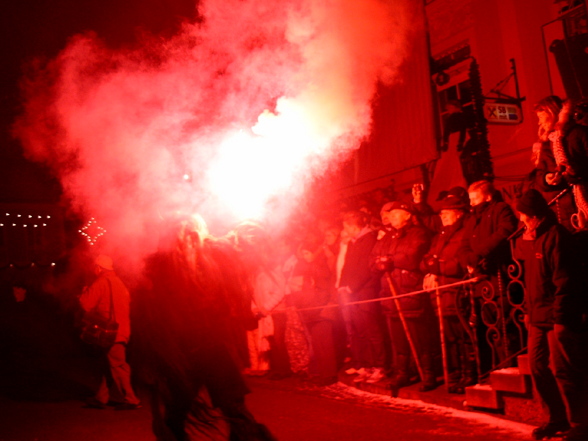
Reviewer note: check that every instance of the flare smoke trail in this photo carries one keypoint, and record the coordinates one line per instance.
(248, 103)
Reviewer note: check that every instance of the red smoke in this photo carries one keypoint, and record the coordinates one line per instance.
(250, 103)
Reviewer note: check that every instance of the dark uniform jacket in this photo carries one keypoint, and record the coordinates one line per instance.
(442, 261)
(485, 247)
(405, 248)
(553, 293)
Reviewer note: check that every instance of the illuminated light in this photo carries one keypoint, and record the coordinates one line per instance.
(35, 226)
(24, 225)
(252, 168)
(186, 177)
(48, 217)
(52, 263)
(44, 225)
(39, 217)
(1, 225)
(91, 231)
(30, 216)
(18, 215)
(14, 225)
(7, 214)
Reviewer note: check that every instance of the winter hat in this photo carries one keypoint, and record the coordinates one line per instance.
(104, 262)
(397, 205)
(532, 203)
(386, 207)
(452, 202)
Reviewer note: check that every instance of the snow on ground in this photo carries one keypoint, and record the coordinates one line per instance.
(341, 391)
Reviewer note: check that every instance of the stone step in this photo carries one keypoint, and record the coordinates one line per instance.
(523, 363)
(484, 396)
(510, 380)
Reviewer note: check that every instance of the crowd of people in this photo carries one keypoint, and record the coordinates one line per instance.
(403, 294)
(412, 294)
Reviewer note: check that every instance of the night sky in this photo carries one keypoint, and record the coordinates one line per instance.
(40, 29)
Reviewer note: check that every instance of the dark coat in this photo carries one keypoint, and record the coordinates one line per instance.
(485, 247)
(356, 273)
(315, 290)
(553, 292)
(575, 145)
(405, 248)
(442, 261)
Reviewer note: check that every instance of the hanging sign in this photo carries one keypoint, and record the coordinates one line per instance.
(503, 113)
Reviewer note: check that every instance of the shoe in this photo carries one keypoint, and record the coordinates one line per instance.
(377, 375)
(93, 403)
(362, 375)
(351, 371)
(127, 406)
(550, 429)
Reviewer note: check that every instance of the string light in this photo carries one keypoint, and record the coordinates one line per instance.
(85, 231)
(29, 216)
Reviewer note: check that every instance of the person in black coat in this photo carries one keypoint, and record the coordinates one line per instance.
(485, 252)
(358, 283)
(442, 267)
(396, 259)
(555, 302)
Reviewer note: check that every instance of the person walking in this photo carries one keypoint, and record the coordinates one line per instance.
(108, 289)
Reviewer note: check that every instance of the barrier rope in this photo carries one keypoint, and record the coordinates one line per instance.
(399, 296)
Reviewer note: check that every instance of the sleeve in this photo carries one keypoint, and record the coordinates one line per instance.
(412, 253)
(379, 249)
(427, 217)
(506, 224)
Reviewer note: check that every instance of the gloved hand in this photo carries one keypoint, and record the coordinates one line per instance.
(385, 263)
(432, 264)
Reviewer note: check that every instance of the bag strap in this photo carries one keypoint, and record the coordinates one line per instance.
(112, 317)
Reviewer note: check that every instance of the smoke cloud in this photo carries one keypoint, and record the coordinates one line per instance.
(238, 109)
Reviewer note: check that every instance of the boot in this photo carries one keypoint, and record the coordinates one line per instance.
(429, 380)
(469, 374)
(454, 379)
(401, 375)
(453, 387)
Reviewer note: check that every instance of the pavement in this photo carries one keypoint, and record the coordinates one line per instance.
(292, 409)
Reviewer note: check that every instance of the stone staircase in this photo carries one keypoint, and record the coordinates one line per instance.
(509, 392)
